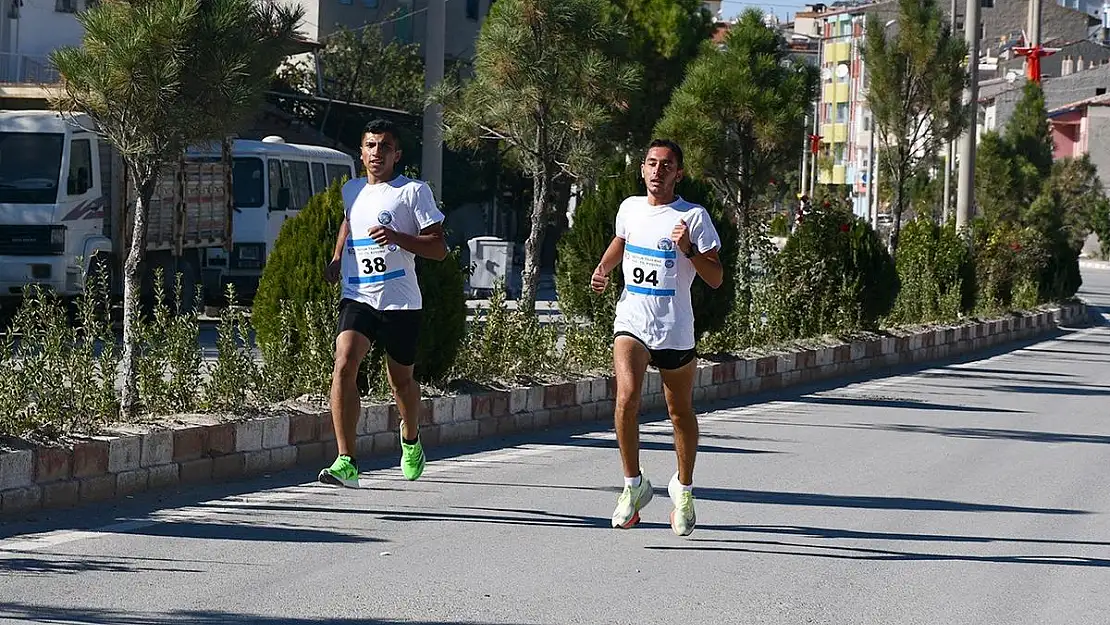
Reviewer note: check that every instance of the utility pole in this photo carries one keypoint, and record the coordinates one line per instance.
(805, 157)
(949, 148)
(966, 182)
(431, 165)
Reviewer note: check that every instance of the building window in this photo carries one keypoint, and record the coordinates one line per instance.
(841, 112)
(370, 4)
(982, 31)
(1100, 91)
(867, 123)
(986, 4)
(471, 9)
(65, 6)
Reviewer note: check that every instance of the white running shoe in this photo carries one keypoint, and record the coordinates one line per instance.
(631, 501)
(682, 517)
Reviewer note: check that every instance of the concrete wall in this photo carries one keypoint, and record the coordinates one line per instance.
(1098, 141)
(41, 28)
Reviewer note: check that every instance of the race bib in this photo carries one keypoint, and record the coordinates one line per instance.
(371, 262)
(651, 272)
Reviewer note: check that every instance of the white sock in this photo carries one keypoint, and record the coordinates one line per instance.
(686, 488)
(634, 482)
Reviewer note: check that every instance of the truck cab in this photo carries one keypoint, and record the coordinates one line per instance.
(52, 201)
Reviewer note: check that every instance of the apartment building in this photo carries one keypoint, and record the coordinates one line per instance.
(844, 118)
(31, 29)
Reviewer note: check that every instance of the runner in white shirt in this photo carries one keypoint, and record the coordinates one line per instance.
(662, 241)
(390, 219)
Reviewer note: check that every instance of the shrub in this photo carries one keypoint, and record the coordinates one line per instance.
(1009, 261)
(833, 275)
(935, 272)
(594, 226)
(59, 378)
(293, 280)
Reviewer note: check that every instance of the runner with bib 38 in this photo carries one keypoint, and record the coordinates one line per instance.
(662, 242)
(390, 220)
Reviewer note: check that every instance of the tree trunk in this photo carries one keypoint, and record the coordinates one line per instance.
(144, 177)
(896, 226)
(532, 247)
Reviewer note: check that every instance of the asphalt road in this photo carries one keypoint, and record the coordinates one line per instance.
(971, 492)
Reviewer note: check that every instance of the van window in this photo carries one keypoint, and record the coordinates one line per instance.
(246, 178)
(276, 182)
(319, 182)
(299, 182)
(338, 172)
(80, 167)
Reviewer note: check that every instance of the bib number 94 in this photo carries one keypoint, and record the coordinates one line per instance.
(640, 277)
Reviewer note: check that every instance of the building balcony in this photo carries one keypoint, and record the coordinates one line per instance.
(837, 52)
(834, 133)
(838, 174)
(836, 92)
(24, 69)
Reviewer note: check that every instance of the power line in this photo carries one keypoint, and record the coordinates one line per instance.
(383, 22)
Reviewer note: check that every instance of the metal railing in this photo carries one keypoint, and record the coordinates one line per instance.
(27, 69)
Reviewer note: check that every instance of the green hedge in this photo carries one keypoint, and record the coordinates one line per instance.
(936, 272)
(833, 275)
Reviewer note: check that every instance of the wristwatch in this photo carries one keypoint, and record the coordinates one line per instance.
(692, 252)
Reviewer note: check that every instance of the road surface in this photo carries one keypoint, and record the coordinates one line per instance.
(973, 491)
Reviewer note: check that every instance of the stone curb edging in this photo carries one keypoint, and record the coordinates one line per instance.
(1087, 263)
(109, 467)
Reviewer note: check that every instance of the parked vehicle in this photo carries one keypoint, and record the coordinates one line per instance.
(213, 218)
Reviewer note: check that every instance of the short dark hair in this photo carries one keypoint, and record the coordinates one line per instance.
(670, 145)
(382, 127)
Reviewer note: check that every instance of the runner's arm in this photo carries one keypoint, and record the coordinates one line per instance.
(430, 243)
(612, 256)
(708, 266)
(341, 240)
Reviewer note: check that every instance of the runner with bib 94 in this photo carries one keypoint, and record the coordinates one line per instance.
(662, 242)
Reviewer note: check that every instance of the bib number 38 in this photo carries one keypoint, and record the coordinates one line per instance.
(374, 264)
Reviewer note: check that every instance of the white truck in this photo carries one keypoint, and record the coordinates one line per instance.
(213, 218)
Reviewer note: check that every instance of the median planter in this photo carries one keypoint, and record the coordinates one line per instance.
(199, 449)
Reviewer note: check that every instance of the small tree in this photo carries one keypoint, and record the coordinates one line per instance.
(1011, 168)
(739, 116)
(545, 84)
(664, 36)
(157, 76)
(917, 80)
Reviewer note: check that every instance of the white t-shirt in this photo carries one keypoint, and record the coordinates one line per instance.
(385, 277)
(655, 305)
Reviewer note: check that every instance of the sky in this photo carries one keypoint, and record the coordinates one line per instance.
(781, 8)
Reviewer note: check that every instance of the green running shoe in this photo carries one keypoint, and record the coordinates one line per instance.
(412, 459)
(342, 472)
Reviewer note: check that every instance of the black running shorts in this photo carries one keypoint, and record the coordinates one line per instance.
(664, 359)
(396, 331)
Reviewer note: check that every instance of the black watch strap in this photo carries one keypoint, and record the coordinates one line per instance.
(693, 251)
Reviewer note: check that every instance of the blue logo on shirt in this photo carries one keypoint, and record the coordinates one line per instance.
(666, 245)
(392, 247)
(385, 218)
(669, 264)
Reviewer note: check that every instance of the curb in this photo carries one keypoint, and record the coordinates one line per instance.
(110, 467)
(1085, 263)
